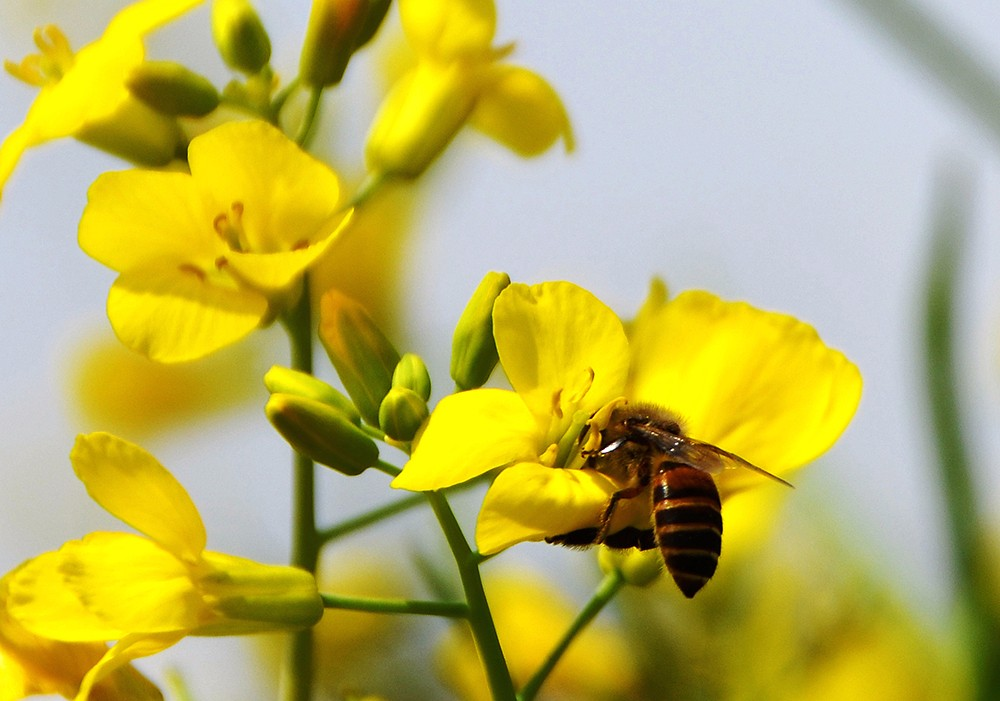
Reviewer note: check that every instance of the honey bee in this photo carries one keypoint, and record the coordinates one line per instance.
(644, 446)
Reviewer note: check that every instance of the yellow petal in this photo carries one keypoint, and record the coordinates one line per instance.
(529, 501)
(272, 272)
(40, 602)
(129, 648)
(133, 486)
(131, 583)
(468, 434)
(289, 199)
(449, 29)
(165, 207)
(759, 384)
(171, 315)
(94, 88)
(562, 349)
(140, 18)
(522, 111)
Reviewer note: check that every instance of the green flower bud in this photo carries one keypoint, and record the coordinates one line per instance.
(640, 568)
(411, 373)
(402, 414)
(287, 381)
(331, 37)
(240, 36)
(362, 355)
(173, 89)
(473, 348)
(321, 433)
(137, 133)
(373, 20)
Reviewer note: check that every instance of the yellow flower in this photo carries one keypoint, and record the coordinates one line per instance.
(147, 593)
(530, 616)
(758, 384)
(127, 393)
(459, 78)
(84, 94)
(32, 665)
(205, 258)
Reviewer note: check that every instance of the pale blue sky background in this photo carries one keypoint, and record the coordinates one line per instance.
(781, 153)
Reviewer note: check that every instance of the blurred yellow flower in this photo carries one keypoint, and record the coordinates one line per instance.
(204, 259)
(147, 593)
(127, 393)
(531, 616)
(459, 77)
(758, 384)
(83, 94)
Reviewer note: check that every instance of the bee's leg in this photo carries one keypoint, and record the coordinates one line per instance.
(629, 492)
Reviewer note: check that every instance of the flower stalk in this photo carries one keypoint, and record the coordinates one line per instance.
(611, 584)
(306, 540)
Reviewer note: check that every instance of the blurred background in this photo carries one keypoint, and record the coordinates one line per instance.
(786, 157)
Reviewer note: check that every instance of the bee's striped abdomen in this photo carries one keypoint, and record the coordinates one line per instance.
(687, 517)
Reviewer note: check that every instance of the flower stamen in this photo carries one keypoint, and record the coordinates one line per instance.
(47, 67)
(229, 227)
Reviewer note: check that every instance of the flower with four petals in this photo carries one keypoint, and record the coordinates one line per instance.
(758, 384)
(206, 257)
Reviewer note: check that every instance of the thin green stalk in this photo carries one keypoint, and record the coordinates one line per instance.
(480, 619)
(964, 521)
(356, 523)
(309, 118)
(305, 537)
(446, 609)
(611, 584)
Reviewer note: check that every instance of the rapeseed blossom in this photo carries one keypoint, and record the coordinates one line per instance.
(205, 258)
(459, 77)
(758, 384)
(149, 591)
(84, 94)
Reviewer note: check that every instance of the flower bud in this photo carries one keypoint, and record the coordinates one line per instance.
(640, 568)
(240, 36)
(321, 433)
(331, 38)
(373, 20)
(287, 381)
(137, 133)
(402, 414)
(411, 373)
(419, 117)
(253, 597)
(362, 355)
(172, 89)
(473, 348)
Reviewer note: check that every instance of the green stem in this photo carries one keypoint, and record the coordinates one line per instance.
(964, 522)
(447, 609)
(480, 621)
(356, 523)
(605, 592)
(306, 541)
(309, 118)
